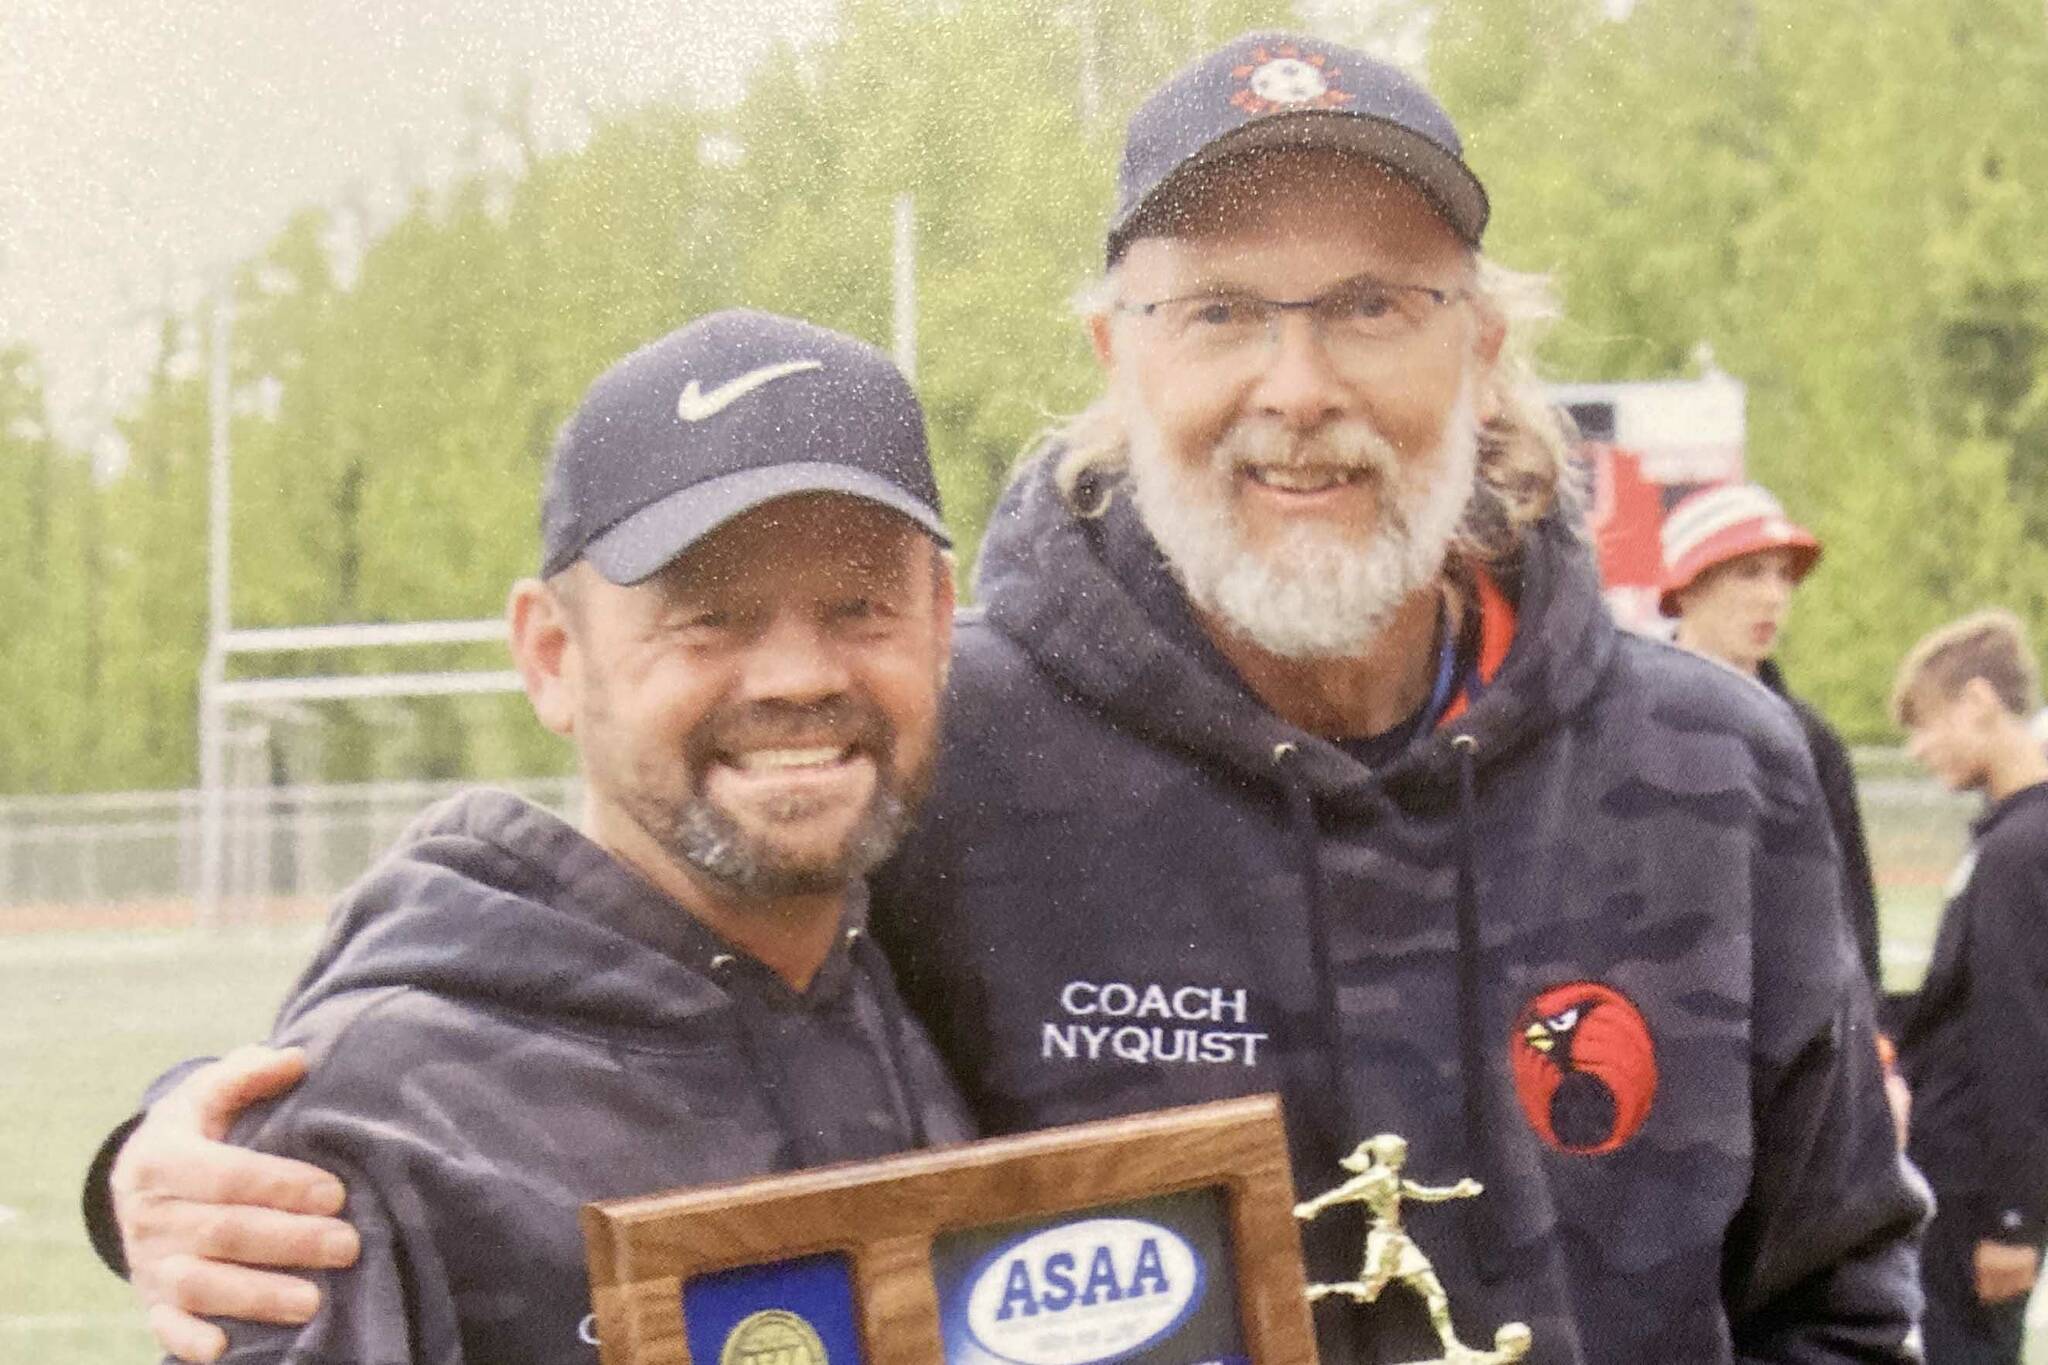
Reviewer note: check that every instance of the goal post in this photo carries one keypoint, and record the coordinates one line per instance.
(218, 694)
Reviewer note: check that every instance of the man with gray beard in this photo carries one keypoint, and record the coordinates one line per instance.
(1292, 750)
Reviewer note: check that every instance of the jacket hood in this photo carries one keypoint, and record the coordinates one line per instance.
(1094, 604)
(491, 900)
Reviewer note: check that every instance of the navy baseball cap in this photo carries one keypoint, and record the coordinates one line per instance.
(1273, 90)
(717, 418)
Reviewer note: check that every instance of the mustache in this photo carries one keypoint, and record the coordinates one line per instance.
(840, 722)
(1349, 444)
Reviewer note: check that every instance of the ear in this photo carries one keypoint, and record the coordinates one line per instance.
(1103, 337)
(945, 598)
(1487, 342)
(1983, 701)
(544, 650)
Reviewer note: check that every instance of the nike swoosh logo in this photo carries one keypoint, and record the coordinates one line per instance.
(694, 405)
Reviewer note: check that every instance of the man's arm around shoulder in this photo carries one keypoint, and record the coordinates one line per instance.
(382, 1310)
(194, 1217)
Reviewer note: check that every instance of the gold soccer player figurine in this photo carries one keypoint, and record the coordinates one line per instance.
(1391, 1254)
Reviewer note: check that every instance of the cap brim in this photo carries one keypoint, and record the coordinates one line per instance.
(637, 547)
(1805, 548)
(1452, 190)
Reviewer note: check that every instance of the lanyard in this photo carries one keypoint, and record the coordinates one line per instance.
(1446, 665)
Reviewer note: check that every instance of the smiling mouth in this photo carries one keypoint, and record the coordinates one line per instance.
(1297, 478)
(788, 760)
(791, 782)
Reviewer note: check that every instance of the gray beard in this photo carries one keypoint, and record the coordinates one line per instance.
(1318, 591)
(706, 838)
(664, 795)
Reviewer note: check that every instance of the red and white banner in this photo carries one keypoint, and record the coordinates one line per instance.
(1647, 445)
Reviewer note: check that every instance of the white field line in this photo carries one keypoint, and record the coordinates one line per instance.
(151, 944)
(24, 1323)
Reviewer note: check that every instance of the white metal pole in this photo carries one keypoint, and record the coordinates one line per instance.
(906, 286)
(213, 671)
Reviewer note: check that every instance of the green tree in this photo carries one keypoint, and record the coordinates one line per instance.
(152, 520)
(49, 740)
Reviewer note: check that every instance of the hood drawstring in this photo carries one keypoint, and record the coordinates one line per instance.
(867, 955)
(1484, 1228)
(769, 1077)
(1322, 1033)
(1337, 1090)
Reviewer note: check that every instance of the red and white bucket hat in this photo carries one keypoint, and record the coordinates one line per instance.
(1726, 522)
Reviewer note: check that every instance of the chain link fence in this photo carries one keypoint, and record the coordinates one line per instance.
(75, 860)
(71, 860)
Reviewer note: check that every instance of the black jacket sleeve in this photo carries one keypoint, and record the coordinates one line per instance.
(2008, 1029)
(1819, 1265)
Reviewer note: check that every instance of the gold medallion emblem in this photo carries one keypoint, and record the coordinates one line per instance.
(773, 1336)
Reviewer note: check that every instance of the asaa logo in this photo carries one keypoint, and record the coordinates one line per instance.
(1083, 1292)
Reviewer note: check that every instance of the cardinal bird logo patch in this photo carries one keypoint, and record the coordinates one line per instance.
(1585, 1068)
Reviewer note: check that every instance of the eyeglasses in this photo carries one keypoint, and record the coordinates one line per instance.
(1354, 321)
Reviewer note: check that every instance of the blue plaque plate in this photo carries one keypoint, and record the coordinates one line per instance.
(795, 1312)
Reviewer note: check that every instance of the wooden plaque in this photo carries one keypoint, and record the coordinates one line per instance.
(1166, 1236)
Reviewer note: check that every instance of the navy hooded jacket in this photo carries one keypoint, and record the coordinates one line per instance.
(505, 1023)
(1581, 943)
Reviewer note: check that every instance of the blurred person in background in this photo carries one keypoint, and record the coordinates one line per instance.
(1973, 1040)
(1732, 562)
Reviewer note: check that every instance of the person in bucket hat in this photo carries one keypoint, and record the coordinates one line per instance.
(1739, 525)
(1732, 561)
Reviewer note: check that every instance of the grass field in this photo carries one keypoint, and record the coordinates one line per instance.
(94, 1014)
(91, 1018)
